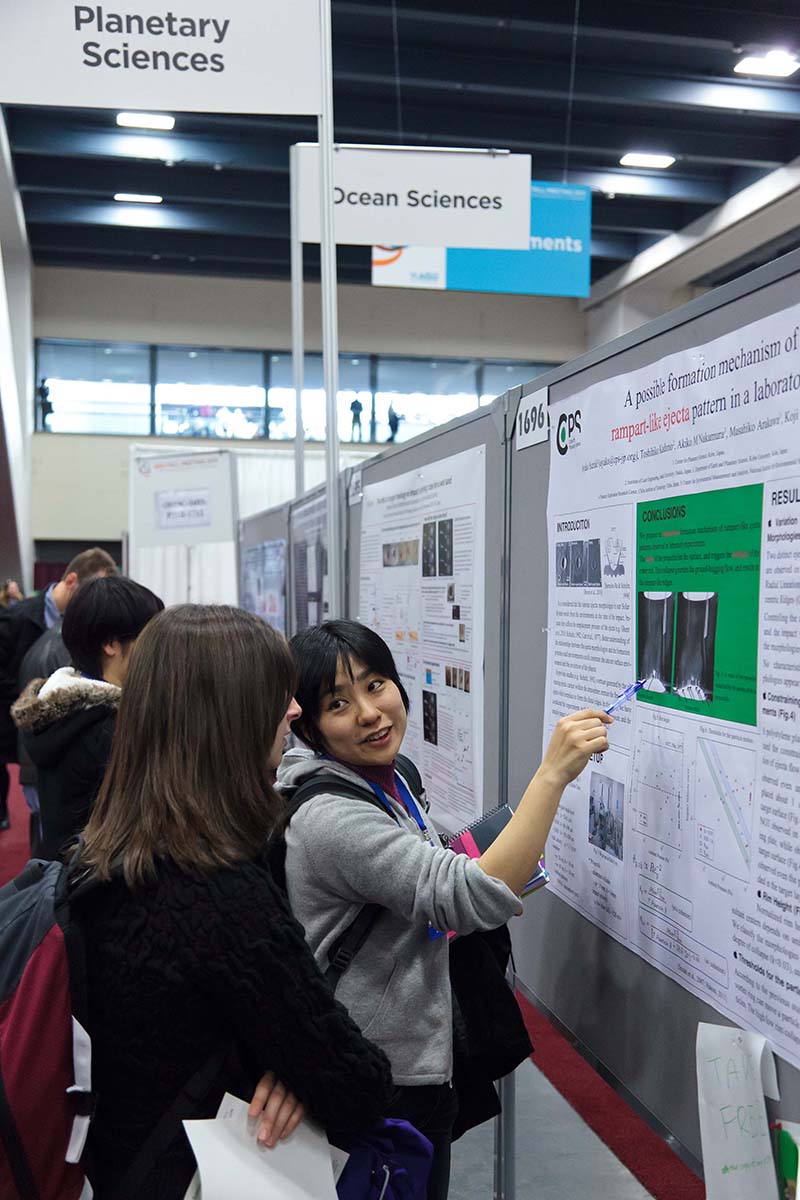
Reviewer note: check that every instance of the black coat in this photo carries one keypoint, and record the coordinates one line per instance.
(20, 626)
(184, 965)
(45, 656)
(68, 737)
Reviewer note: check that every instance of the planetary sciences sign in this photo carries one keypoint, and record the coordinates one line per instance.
(423, 197)
(555, 262)
(213, 56)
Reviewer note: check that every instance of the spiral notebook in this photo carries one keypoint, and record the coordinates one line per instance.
(479, 835)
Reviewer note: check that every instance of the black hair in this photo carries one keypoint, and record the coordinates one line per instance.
(108, 608)
(317, 652)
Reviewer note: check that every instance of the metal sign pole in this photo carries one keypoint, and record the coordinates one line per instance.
(298, 333)
(505, 1183)
(330, 329)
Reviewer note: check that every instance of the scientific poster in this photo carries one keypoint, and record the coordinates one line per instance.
(264, 582)
(674, 545)
(308, 538)
(422, 589)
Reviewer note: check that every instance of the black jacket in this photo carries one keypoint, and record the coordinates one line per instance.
(20, 626)
(184, 965)
(45, 656)
(68, 737)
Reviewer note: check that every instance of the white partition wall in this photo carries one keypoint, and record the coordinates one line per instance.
(183, 520)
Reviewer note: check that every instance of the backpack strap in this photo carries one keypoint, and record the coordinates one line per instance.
(132, 1186)
(351, 939)
(412, 778)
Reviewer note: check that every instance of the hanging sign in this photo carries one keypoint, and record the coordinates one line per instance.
(425, 197)
(555, 262)
(196, 57)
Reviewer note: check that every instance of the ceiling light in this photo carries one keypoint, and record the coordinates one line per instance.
(135, 198)
(134, 120)
(777, 63)
(657, 161)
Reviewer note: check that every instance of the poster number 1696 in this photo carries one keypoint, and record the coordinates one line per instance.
(532, 420)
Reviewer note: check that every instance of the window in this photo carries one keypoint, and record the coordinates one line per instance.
(93, 387)
(209, 393)
(418, 393)
(498, 377)
(354, 374)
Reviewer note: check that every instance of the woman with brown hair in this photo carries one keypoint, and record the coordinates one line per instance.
(193, 948)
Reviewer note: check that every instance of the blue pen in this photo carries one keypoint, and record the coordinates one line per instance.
(630, 691)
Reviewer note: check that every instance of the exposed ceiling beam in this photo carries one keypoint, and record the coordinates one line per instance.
(427, 69)
(242, 220)
(678, 24)
(38, 132)
(99, 177)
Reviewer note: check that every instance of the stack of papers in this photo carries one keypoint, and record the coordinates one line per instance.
(231, 1162)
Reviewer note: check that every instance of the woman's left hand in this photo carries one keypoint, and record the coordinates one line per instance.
(280, 1110)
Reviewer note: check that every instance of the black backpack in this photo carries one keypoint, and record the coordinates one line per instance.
(350, 941)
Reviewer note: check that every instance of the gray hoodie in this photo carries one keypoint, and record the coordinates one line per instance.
(342, 853)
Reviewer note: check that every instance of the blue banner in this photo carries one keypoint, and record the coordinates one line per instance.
(557, 263)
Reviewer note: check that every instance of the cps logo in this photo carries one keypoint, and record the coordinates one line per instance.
(568, 425)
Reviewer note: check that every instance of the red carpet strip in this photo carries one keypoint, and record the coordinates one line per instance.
(14, 841)
(634, 1143)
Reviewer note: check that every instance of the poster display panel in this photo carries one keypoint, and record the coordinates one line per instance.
(308, 538)
(264, 581)
(674, 550)
(422, 589)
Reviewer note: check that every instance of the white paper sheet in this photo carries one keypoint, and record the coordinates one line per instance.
(232, 1163)
(734, 1069)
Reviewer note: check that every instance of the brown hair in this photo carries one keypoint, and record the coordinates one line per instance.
(189, 777)
(89, 563)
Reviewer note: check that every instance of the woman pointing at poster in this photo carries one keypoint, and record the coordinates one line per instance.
(360, 847)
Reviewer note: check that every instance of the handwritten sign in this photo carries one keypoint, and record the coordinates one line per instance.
(734, 1071)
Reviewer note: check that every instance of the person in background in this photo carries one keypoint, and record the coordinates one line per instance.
(193, 948)
(66, 721)
(356, 408)
(10, 593)
(394, 423)
(343, 853)
(45, 656)
(20, 626)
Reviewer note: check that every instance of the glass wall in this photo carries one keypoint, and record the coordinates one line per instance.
(211, 392)
(91, 387)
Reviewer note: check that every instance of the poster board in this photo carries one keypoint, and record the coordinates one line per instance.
(308, 560)
(485, 430)
(183, 511)
(264, 564)
(636, 1022)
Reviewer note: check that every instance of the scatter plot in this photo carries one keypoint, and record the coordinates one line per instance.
(723, 805)
(658, 784)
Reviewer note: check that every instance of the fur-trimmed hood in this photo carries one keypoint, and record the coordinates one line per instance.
(52, 712)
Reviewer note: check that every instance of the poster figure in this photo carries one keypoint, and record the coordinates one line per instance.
(430, 725)
(606, 813)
